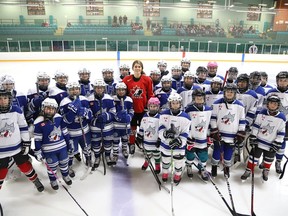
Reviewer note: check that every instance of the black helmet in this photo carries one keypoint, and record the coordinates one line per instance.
(201, 69)
(264, 74)
(255, 78)
(200, 93)
(243, 78)
(233, 70)
(231, 87)
(273, 98)
(8, 93)
(282, 74)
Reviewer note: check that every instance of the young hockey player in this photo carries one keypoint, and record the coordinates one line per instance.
(15, 140)
(140, 89)
(124, 70)
(200, 115)
(201, 80)
(177, 79)
(232, 74)
(155, 76)
(52, 142)
(215, 92)
(59, 91)
(75, 108)
(188, 87)
(108, 77)
(185, 65)
(85, 83)
(123, 117)
(163, 93)
(282, 92)
(174, 126)
(148, 133)
(212, 68)
(162, 66)
(227, 127)
(254, 81)
(103, 109)
(266, 137)
(264, 80)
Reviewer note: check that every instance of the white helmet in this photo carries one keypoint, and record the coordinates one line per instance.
(157, 72)
(84, 70)
(166, 78)
(49, 102)
(185, 60)
(174, 97)
(99, 83)
(107, 70)
(7, 79)
(189, 74)
(43, 75)
(71, 85)
(124, 66)
(121, 85)
(217, 80)
(176, 67)
(60, 74)
(162, 63)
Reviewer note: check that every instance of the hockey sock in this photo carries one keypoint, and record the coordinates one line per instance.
(132, 135)
(157, 156)
(3, 173)
(28, 170)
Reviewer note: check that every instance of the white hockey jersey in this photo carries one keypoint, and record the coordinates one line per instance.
(211, 98)
(186, 95)
(284, 99)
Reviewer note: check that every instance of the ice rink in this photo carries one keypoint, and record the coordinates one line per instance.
(127, 190)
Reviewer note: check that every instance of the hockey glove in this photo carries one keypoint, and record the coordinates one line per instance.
(275, 147)
(73, 107)
(253, 140)
(214, 134)
(169, 134)
(82, 112)
(38, 155)
(139, 139)
(25, 147)
(240, 137)
(158, 143)
(103, 118)
(177, 142)
(190, 144)
(37, 101)
(121, 115)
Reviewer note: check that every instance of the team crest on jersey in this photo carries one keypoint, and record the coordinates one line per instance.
(55, 134)
(228, 119)
(136, 92)
(266, 130)
(7, 130)
(200, 127)
(150, 131)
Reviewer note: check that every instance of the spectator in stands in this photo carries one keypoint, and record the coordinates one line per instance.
(148, 23)
(114, 19)
(125, 19)
(120, 20)
(253, 49)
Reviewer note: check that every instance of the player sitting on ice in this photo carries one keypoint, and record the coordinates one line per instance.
(85, 83)
(77, 115)
(266, 137)
(124, 70)
(162, 66)
(15, 140)
(124, 114)
(59, 91)
(227, 128)
(103, 109)
(174, 126)
(177, 79)
(52, 142)
(108, 77)
(200, 115)
(148, 134)
(163, 93)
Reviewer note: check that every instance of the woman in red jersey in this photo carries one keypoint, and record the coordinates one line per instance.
(140, 89)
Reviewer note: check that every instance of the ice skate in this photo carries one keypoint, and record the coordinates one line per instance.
(38, 185)
(165, 177)
(278, 167)
(109, 161)
(78, 157)
(203, 175)
(71, 173)
(189, 171)
(96, 163)
(214, 171)
(67, 180)
(54, 185)
(177, 179)
(246, 175)
(145, 165)
(265, 174)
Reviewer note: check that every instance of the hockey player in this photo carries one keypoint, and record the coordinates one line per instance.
(52, 141)
(155, 76)
(266, 137)
(188, 87)
(84, 81)
(140, 89)
(227, 128)
(103, 109)
(201, 80)
(177, 79)
(215, 92)
(264, 80)
(163, 93)
(212, 68)
(123, 117)
(59, 91)
(255, 80)
(108, 77)
(124, 70)
(174, 126)
(200, 115)
(162, 66)
(148, 134)
(15, 140)
(232, 74)
(185, 65)
(282, 92)
(75, 108)
(37, 95)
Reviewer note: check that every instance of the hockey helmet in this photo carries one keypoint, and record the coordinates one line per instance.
(230, 87)
(273, 98)
(243, 82)
(49, 103)
(5, 105)
(175, 107)
(8, 82)
(212, 65)
(198, 93)
(162, 63)
(153, 105)
(282, 86)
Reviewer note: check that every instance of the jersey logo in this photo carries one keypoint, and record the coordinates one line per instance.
(150, 131)
(200, 127)
(228, 119)
(55, 134)
(7, 130)
(266, 130)
(136, 92)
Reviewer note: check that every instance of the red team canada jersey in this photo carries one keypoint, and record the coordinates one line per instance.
(140, 91)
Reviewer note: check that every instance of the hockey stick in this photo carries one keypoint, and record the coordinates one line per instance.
(154, 173)
(102, 148)
(252, 183)
(230, 193)
(89, 164)
(225, 79)
(284, 167)
(126, 131)
(172, 182)
(1, 210)
(55, 175)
